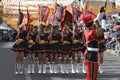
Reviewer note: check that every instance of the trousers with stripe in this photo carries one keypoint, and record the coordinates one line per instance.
(91, 69)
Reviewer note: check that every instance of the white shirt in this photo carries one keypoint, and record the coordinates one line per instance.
(103, 24)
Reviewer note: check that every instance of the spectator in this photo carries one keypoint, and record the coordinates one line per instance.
(103, 20)
(14, 35)
(117, 47)
(113, 3)
(5, 35)
(10, 35)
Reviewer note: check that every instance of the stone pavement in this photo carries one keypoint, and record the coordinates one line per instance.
(111, 68)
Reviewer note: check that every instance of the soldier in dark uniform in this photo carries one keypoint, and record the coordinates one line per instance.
(42, 48)
(54, 39)
(76, 47)
(65, 48)
(92, 48)
(19, 47)
(31, 37)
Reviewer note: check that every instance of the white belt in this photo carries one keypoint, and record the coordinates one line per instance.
(92, 49)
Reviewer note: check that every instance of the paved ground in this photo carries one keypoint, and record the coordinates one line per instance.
(111, 68)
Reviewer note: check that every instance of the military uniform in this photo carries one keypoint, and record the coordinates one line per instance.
(42, 49)
(19, 47)
(20, 44)
(32, 41)
(92, 48)
(54, 51)
(43, 43)
(76, 49)
(32, 47)
(77, 44)
(102, 47)
(54, 43)
(65, 46)
(91, 54)
(66, 50)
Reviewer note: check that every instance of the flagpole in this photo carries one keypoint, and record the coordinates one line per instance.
(52, 24)
(19, 6)
(75, 3)
(88, 2)
(28, 21)
(55, 1)
(74, 20)
(39, 20)
(18, 13)
(39, 17)
(79, 2)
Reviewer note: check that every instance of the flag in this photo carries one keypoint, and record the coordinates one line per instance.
(67, 20)
(29, 20)
(20, 18)
(76, 14)
(59, 14)
(82, 14)
(39, 14)
(43, 13)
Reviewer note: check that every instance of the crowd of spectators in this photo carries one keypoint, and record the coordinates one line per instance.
(7, 34)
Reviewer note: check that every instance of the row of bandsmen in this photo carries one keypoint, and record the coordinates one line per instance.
(44, 42)
(55, 43)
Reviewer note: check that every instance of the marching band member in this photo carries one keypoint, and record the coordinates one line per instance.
(42, 37)
(54, 39)
(100, 31)
(19, 47)
(65, 47)
(42, 49)
(91, 53)
(31, 37)
(76, 47)
(48, 31)
(102, 47)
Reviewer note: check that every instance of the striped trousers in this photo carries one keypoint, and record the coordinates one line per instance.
(91, 69)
